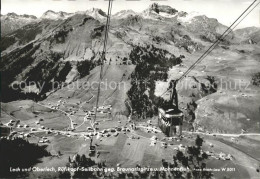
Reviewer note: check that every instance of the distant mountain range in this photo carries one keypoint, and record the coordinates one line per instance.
(55, 15)
(12, 21)
(56, 45)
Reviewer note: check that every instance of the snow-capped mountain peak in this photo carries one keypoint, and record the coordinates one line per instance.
(156, 11)
(123, 14)
(13, 21)
(187, 17)
(13, 15)
(162, 9)
(55, 15)
(96, 13)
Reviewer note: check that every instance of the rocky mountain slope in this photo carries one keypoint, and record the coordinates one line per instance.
(249, 35)
(11, 22)
(71, 38)
(63, 48)
(50, 72)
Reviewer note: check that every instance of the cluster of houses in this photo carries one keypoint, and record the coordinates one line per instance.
(105, 133)
(104, 109)
(44, 140)
(11, 123)
(221, 156)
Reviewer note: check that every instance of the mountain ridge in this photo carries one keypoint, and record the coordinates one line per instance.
(12, 21)
(74, 38)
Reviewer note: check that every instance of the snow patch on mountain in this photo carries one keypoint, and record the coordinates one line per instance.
(159, 12)
(188, 17)
(56, 15)
(124, 14)
(14, 16)
(95, 13)
(12, 21)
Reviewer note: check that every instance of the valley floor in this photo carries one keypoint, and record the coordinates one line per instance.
(129, 147)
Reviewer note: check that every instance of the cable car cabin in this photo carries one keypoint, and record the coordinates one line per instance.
(92, 151)
(170, 120)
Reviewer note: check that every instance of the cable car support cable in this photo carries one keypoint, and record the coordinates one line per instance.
(103, 56)
(214, 45)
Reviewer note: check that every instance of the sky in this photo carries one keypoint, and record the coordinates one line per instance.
(226, 11)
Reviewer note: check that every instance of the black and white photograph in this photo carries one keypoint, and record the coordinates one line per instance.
(130, 89)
